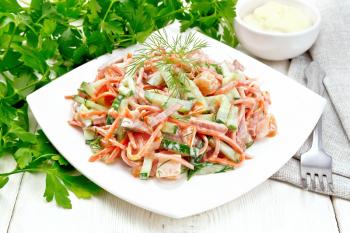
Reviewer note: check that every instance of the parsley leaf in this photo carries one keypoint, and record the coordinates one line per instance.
(3, 181)
(23, 157)
(55, 189)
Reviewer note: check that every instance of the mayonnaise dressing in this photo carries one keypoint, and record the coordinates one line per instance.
(278, 17)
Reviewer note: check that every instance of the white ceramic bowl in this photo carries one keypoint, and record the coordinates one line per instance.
(276, 45)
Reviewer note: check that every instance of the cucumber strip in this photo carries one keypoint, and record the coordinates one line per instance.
(123, 106)
(232, 119)
(156, 79)
(197, 93)
(229, 152)
(97, 84)
(116, 104)
(94, 144)
(179, 147)
(120, 132)
(131, 82)
(169, 128)
(225, 69)
(88, 88)
(164, 101)
(207, 168)
(89, 134)
(213, 100)
(249, 144)
(223, 111)
(167, 79)
(124, 90)
(89, 103)
(235, 75)
(83, 109)
(117, 101)
(109, 120)
(146, 168)
(208, 117)
(233, 94)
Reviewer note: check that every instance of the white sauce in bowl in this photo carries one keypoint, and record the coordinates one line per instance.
(278, 17)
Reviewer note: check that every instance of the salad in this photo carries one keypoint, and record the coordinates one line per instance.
(168, 109)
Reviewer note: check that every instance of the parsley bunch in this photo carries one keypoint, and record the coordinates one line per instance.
(45, 39)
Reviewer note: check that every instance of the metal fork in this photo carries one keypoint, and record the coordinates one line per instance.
(316, 163)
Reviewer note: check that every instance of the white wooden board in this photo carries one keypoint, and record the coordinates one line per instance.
(271, 207)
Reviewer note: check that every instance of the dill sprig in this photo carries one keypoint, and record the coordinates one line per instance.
(177, 82)
(159, 44)
(166, 52)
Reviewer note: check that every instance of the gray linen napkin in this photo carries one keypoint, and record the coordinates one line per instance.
(332, 52)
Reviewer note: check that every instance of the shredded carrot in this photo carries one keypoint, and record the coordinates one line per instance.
(228, 87)
(132, 139)
(99, 155)
(151, 139)
(181, 124)
(227, 162)
(112, 128)
(221, 136)
(69, 97)
(92, 113)
(115, 153)
(117, 144)
(104, 94)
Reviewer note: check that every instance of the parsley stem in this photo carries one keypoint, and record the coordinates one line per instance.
(107, 12)
(43, 156)
(171, 13)
(21, 170)
(10, 42)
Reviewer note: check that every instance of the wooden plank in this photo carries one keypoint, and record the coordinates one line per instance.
(342, 213)
(8, 194)
(271, 207)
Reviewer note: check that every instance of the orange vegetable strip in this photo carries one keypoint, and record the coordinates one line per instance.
(132, 139)
(221, 136)
(69, 97)
(117, 144)
(115, 153)
(150, 140)
(227, 162)
(104, 94)
(101, 154)
(92, 113)
(228, 87)
(112, 129)
(181, 124)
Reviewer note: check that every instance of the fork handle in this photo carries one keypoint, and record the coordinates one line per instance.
(317, 135)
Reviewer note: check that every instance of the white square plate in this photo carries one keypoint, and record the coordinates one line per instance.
(296, 109)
